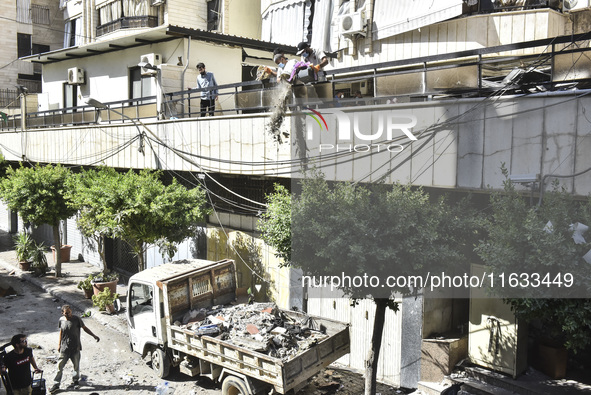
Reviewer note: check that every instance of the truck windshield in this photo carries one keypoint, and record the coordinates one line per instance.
(141, 296)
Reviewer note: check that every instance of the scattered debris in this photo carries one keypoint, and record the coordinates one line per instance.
(282, 94)
(260, 327)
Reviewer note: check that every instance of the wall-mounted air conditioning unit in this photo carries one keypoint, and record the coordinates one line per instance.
(354, 23)
(151, 60)
(75, 76)
(571, 5)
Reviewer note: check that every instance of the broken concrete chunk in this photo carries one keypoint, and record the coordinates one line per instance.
(252, 329)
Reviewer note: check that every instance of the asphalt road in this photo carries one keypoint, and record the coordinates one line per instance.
(107, 367)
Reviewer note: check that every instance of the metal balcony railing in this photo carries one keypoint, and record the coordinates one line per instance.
(556, 64)
(127, 22)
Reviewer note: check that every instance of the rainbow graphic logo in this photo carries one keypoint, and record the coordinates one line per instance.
(315, 116)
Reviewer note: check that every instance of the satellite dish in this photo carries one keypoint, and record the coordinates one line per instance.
(569, 4)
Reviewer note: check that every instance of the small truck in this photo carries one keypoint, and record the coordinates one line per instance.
(159, 298)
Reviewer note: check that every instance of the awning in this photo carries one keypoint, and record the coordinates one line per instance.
(152, 36)
(285, 22)
(394, 17)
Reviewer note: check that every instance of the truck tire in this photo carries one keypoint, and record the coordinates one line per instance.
(160, 363)
(233, 385)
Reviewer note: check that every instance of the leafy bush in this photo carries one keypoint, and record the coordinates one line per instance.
(86, 283)
(104, 298)
(104, 277)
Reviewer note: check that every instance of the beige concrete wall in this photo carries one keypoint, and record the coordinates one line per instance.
(256, 263)
(8, 49)
(51, 35)
(244, 18)
(187, 13)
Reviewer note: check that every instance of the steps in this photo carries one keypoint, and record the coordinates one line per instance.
(479, 381)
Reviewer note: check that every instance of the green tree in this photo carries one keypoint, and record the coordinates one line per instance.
(38, 195)
(373, 231)
(538, 239)
(275, 222)
(3, 166)
(137, 208)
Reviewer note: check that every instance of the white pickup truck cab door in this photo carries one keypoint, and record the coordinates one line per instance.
(143, 315)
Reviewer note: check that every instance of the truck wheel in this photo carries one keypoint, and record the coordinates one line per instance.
(160, 363)
(234, 386)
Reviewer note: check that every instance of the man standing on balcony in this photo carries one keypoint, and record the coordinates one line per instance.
(316, 57)
(208, 96)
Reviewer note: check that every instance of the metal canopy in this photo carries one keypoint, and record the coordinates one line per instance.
(152, 36)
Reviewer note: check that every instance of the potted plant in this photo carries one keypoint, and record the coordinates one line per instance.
(24, 245)
(104, 280)
(105, 300)
(39, 259)
(86, 286)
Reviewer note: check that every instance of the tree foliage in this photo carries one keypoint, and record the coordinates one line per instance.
(137, 208)
(275, 222)
(352, 230)
(532, 239)
(38, 195)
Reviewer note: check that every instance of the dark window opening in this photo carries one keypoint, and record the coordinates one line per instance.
(30, 77)
(23, 44)
(72, 41)
(70, 96)
(40, 48)
(214, 15)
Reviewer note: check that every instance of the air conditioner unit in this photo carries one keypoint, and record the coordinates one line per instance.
(571, 5)
(75, 76)
(353, 23)
(153, 59)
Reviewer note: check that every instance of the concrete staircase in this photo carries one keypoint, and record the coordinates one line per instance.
(480, 381)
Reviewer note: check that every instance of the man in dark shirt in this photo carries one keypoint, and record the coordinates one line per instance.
(69, 345)
(19, 362)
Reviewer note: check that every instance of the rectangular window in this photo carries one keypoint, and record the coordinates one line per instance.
(40, 14)
(23, 11)
(24, 44)
(139, 85)
(214, 15)
(72, 33)
(70, 96)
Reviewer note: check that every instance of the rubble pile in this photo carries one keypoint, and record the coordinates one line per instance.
(260, 327)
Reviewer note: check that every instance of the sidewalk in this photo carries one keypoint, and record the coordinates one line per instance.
(66, 287)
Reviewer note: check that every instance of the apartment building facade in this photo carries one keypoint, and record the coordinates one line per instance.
(483, 83)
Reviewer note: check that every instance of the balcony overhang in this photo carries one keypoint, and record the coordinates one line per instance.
(152, 36)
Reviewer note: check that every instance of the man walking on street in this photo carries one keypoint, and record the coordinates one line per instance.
(205, 79)
(19, 362)
(69, 345)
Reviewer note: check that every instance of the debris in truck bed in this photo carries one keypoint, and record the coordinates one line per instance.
(260, 327)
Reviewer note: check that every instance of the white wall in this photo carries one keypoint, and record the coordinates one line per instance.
(107, 75)
(361, 318)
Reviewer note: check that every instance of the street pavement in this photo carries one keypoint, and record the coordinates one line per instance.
(65, 287)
